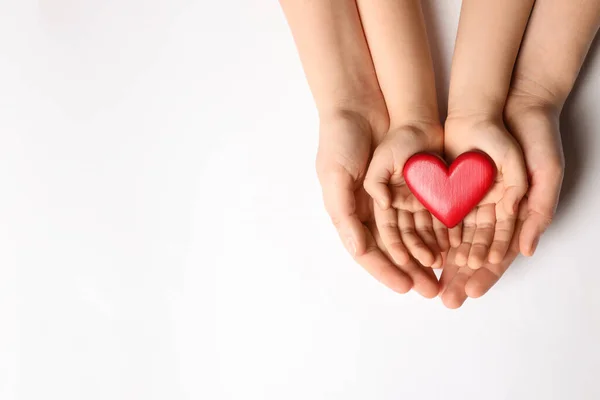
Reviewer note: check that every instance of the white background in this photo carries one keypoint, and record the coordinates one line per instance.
(162, 234)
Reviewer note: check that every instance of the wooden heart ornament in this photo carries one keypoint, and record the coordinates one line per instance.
(449, 193)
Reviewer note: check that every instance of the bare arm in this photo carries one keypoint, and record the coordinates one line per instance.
(487, 44)
(397, 38)
(558, 37)
(335, 56)
(556, 43)
(353, 115)
(488, 40)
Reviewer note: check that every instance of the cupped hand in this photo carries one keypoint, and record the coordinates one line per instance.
(407, 229)
(345, 148)
(535, 124)
(457, 283)
(486, 232)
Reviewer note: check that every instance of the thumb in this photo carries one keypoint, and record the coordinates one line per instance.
(514, 176)
(378, 177)
(542, 201)
(338, 188)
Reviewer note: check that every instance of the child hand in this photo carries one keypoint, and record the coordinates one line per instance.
(459, 283)
(406, 227)
(486, 232)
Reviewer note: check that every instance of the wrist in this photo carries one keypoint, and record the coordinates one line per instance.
(528, 94)
(526, 113)
(422, 120)
(371, 116)
(480, 107)
(464, 121)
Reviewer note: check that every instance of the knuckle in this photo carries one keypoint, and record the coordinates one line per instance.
(547, 221)
(469, 227)
(408, 231)
(486, 226)
(391, 225)
(479, 247)
(329, 176)
(544, 219)
(370, 185)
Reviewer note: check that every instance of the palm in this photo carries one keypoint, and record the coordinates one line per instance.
(345, 150)
(460, 282)
(407, 228)
(486, 231)
(403, 199)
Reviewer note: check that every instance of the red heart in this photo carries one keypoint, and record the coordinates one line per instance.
(449, 193)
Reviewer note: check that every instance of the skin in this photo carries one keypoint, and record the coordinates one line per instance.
(354, 119)
(558, 37)
(395, 31)
(361, 107)
(557, 41)
(487, 44)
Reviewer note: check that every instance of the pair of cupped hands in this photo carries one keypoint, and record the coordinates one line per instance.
(390, 233)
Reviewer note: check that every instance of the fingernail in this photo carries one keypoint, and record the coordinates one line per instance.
(535, 244)
(351, 246)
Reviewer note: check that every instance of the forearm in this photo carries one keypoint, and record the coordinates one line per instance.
(335, 57)
(397, 38)
(556, 43)
(487, 44)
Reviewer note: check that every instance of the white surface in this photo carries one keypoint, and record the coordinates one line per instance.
(162, 234)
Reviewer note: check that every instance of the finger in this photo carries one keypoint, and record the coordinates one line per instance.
(454, 294)
(374, 261)
(441, 234)
(503, 235)
(424, 280)
(484, 235)
(484, 278)
(542, 200)
(339, 197)
(535, 225)
(378, 176)
(544, 191)
(455, 235)
(449, 271)
(412, 240)
(515, 181)
(468, 233)
(387, 225)
(424, 228)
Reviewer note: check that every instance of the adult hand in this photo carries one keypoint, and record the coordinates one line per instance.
(345, 148)
(353, 118)
(533, 121)
(535, 125)
(558, 37)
